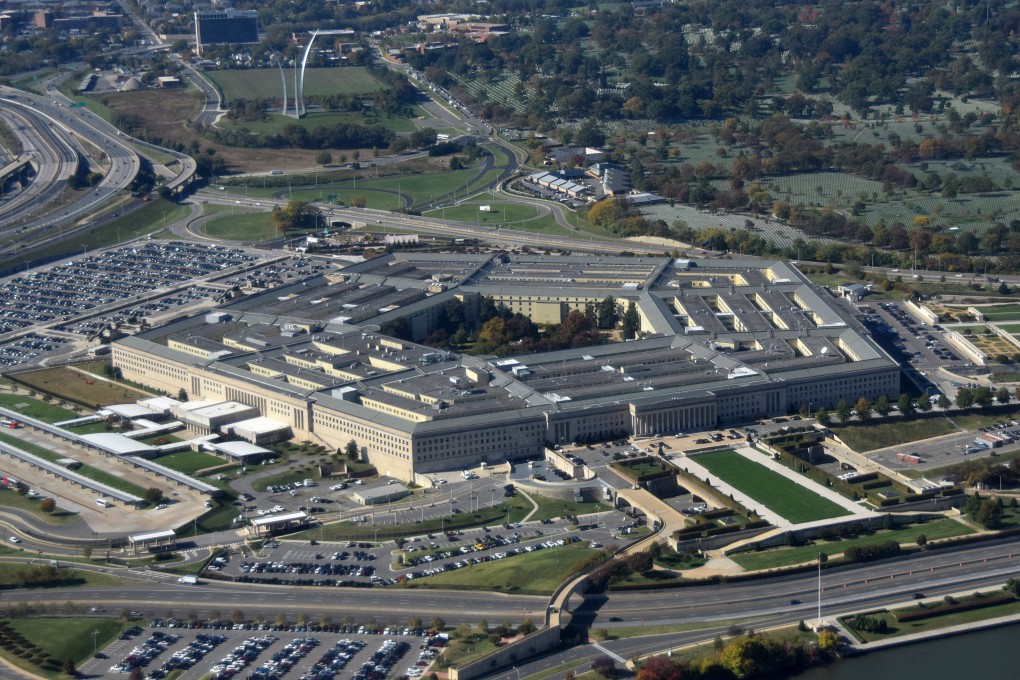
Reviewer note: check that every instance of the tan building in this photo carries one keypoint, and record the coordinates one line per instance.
(723, 342)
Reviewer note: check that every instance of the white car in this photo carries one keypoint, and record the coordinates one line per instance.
(15, 539)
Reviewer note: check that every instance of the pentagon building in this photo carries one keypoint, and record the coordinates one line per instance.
(722, 341)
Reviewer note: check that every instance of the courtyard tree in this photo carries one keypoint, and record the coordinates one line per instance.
(882, 406)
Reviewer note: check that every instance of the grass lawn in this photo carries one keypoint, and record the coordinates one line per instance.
(116, 482)
(265, 82)
(897, 629)
(149, 218)
(781, 495)
(460, 652)
(1001, 312)
(274, 123)
(29, 447)
(248, 226)
(10, 498)
(877, 435)
(537, 573)
(190, 462)
(62, 638)
(500, 213)
(784, 557)
(74, 385)
(549, 508)
(35, 408)
(977, 420)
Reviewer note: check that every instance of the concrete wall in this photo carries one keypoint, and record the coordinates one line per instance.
(922, 313)
(966, 348)
(538, 642)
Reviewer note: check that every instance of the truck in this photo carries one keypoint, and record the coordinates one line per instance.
(10, 424)
(188, 580)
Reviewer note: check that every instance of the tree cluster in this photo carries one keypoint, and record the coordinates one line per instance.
(745, 656)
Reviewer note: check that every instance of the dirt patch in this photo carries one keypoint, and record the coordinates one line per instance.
(168, 114)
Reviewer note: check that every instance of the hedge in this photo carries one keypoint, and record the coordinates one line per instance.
(965, 606)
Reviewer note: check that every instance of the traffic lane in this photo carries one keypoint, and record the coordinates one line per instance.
(929, 572)
(157, 599)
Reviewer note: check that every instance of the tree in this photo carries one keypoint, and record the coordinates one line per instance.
(943, 402)
(437, 623)
(351, 450)
(483, 626)
(659, 668)
(153, 495)
(1002, 395)
(822, 416)
(607, 313)
(828, 641)
(136, 673)
(842, 411)
(324, 158)
(604, 666)
(905, 404)
(48, 505)
(68, 669)
(924, 403)
(631, 321)
(863, 408)
(922, 540)
(964, 397)
(86, 552)
(882, 406)
(989, 514)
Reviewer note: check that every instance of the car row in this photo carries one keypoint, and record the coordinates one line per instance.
(144, 653)
(333, 660)
(285, 659)
(241, 657)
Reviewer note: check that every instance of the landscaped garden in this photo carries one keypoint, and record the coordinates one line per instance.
(776, 492)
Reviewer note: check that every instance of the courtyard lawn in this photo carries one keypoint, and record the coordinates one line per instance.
(1001, 312)
(190, 462)
(781, 495)
(537, 573)
(784, 557)
(878, 435)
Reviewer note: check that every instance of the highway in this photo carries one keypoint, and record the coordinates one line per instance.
(781, 599)
(66, 131)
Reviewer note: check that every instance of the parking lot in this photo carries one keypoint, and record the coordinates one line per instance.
(919, 348)
(314, 650)
(90, 293)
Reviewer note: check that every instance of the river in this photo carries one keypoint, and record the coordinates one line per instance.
(983, 654)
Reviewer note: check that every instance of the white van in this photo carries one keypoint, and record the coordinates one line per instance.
(103, 503)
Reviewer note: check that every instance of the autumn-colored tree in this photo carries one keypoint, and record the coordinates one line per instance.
(659, 668)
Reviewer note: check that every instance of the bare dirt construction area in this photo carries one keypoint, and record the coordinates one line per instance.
(167, 115)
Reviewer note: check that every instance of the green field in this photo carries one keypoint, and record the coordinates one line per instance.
(10, 498)
(897, 629)
(781, 495)
(784, 557)
(249, 226)
(116, 482)
(67, 382)
(148, 219)
(274, 123)
(62, 638)
(500, 214)
(34, 408)
(537, 573)
(190, 462)
(265, 82)
(1001, 312)
(878, 435)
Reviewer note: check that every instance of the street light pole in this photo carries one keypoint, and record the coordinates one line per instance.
(819, 589)
(95, 648)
